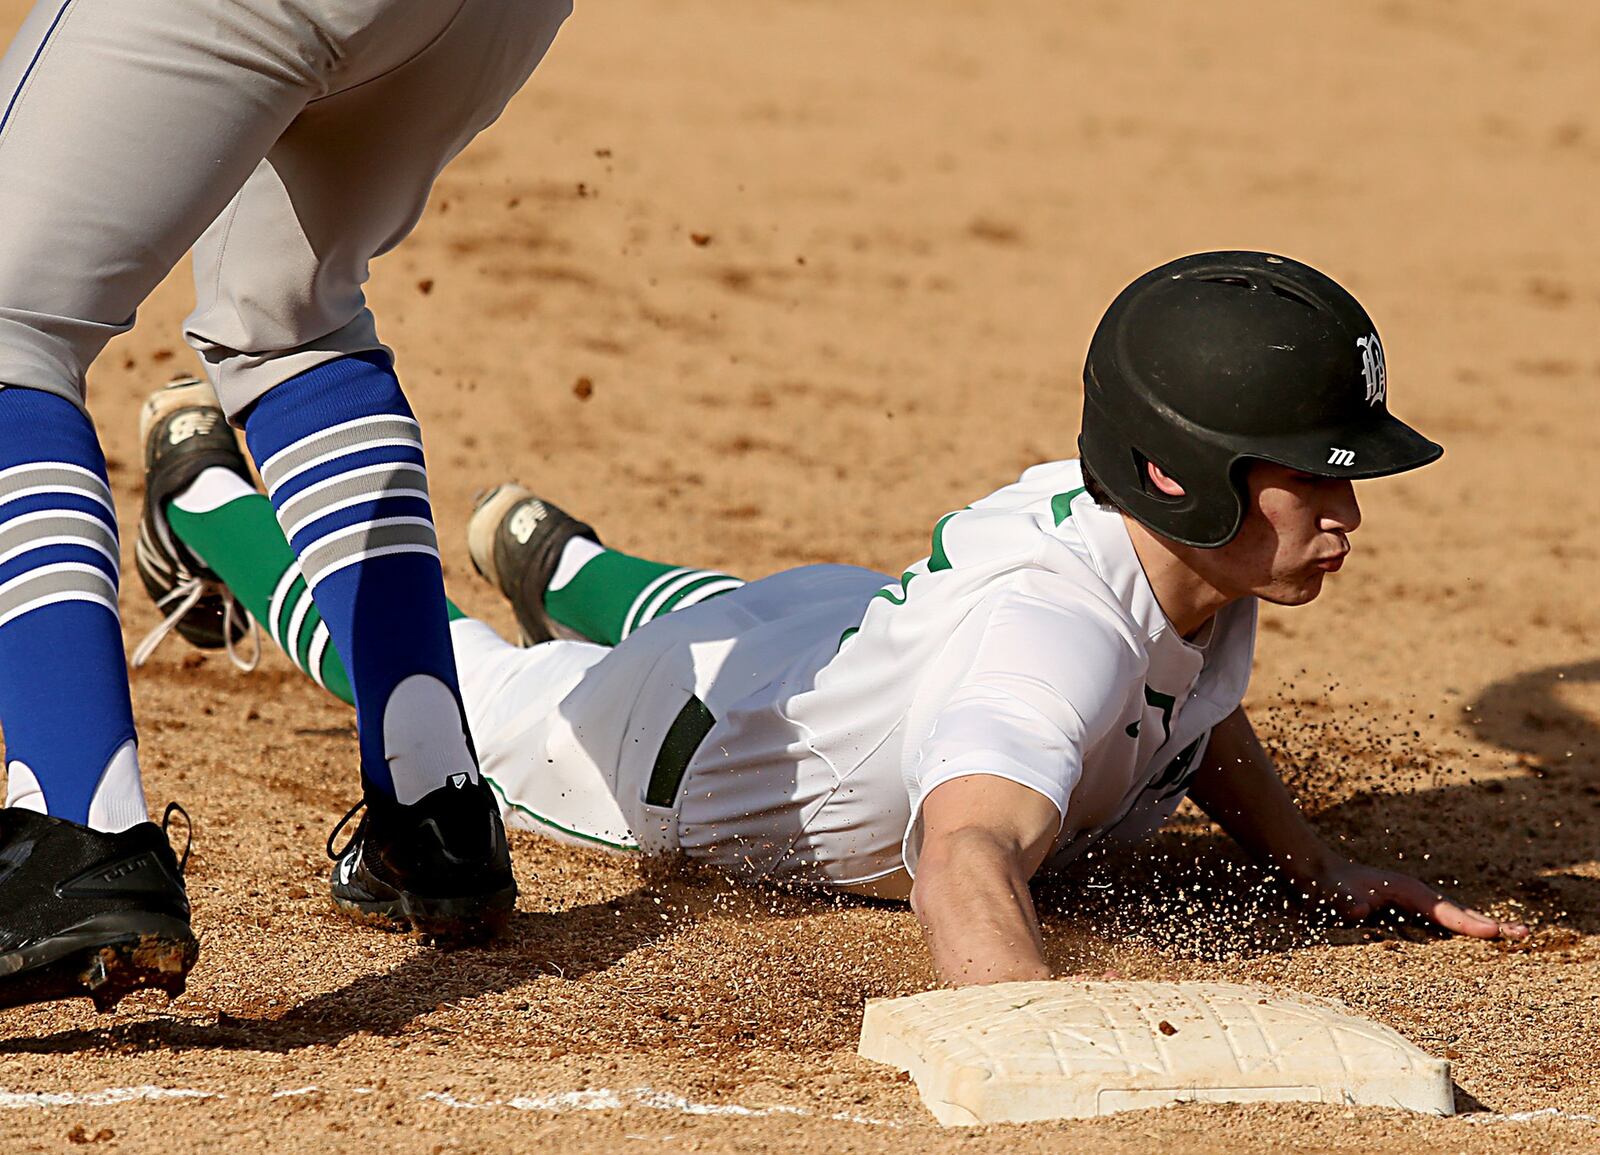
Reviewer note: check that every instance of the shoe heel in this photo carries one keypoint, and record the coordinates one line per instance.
(452, 922)
(106, 962)
(183, 393)
(487, 514)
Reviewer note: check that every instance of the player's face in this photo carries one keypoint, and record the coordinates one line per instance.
(1295, 532)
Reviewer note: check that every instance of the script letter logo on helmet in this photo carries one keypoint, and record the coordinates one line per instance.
(1372, 368)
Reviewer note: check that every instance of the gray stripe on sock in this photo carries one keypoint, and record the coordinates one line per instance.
(338, 442)
(52, 475)
(398, 479)
(84, 529)
(334, 552)
(50, 582)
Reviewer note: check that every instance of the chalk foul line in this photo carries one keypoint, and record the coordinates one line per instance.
(646, 1097)
(560, 1102)
(109, 1097)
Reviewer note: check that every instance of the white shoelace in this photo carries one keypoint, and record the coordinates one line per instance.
(187, 596)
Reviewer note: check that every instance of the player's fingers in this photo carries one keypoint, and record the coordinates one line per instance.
(1460, 920)
(1422, 899)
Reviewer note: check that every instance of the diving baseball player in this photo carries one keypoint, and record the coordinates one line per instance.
(1064, 666)
(289, 144)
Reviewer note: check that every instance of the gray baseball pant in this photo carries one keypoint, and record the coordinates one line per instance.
(288, 141)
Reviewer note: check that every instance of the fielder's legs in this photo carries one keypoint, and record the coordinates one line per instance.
(199, 495)
(108, 111)
(282, 323)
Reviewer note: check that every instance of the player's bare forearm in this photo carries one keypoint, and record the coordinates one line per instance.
(982, 839)
(977, 916)
(1239, 787)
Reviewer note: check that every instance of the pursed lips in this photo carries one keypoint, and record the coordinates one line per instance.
(1330, 563)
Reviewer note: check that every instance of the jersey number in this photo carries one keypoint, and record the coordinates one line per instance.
(1175, 779)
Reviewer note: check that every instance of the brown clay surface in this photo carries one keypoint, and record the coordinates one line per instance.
(915, 213)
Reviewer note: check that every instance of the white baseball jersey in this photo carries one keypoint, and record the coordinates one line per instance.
(826, 702)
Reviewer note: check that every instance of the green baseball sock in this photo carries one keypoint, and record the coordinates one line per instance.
(243, 543)
(612, 594)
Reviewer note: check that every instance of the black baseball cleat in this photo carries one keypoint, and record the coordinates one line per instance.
(516, 540)
(440, 867)
(88, 913)
(184, 433)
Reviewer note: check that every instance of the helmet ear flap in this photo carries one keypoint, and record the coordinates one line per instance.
(1204, 514)
(1235, 496)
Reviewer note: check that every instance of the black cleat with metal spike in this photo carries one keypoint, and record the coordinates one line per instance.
(88, 913)
(440, 867)
(184, 432)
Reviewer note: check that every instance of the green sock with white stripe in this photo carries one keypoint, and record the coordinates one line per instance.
(612, 594)
(243, 544)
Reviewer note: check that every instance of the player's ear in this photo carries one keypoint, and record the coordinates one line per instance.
(1162, 482)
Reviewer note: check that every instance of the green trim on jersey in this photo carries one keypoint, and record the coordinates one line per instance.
(937, 560)
(905, 590)
(1061, 504)
(567, 830)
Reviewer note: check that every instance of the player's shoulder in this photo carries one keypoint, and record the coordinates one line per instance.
(1066, 626)
(1031, 540)
(1037, 639)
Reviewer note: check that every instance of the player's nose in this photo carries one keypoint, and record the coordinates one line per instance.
(1342, 512)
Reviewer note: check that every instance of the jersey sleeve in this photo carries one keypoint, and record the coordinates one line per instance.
(1044, 683)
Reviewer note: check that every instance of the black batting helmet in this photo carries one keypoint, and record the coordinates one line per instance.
(1217, 359)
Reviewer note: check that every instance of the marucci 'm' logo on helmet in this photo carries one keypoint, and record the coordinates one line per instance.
(1372, 368)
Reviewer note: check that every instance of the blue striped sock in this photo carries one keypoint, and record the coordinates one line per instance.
(64, 702)
(341, 456)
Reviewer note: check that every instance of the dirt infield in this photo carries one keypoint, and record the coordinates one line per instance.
(750, 284)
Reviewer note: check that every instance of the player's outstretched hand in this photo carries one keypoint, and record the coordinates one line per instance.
(1356, 892)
